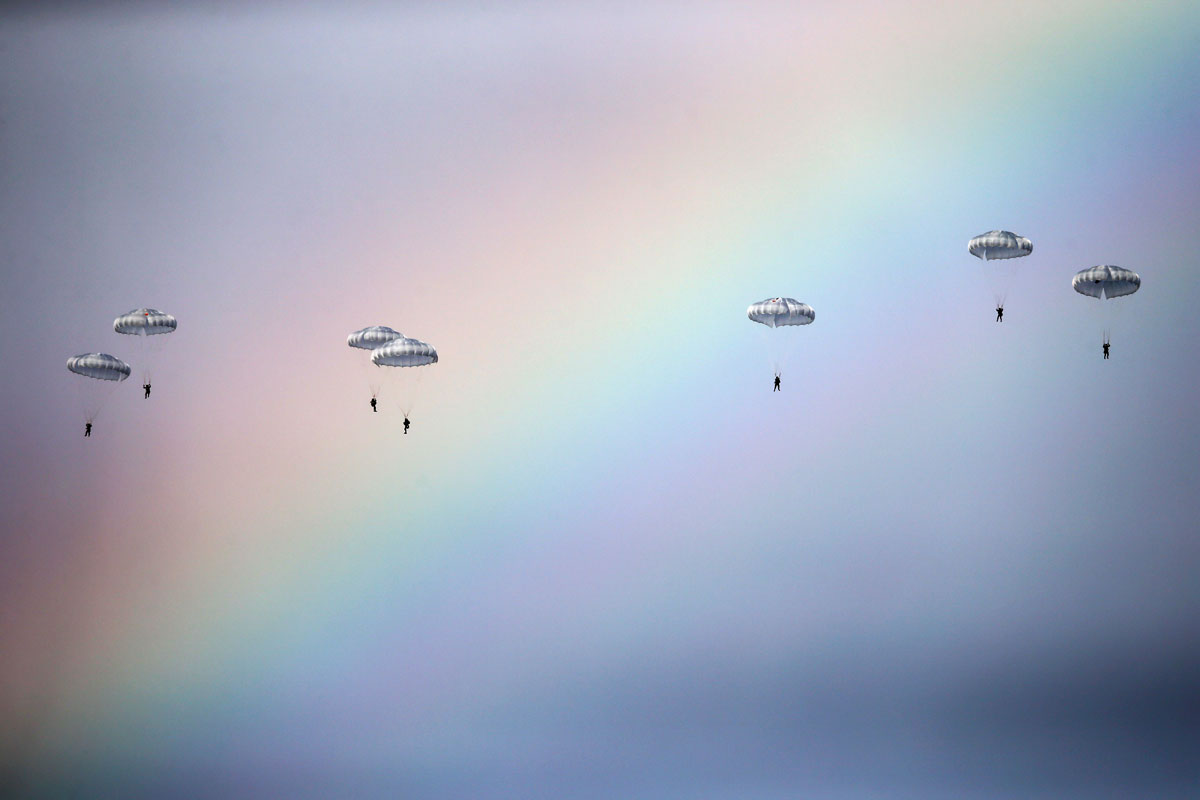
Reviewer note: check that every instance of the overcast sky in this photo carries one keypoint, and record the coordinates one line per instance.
(951, 558)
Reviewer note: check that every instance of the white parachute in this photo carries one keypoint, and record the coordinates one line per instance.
(780, 312)
(100, 373)
(997, 249)
(372, 337)
(404, 352)
(368, 339)
(404, 358)
(1107, 283)
(149, 325)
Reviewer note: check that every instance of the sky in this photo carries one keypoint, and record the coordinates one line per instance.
(950, 559)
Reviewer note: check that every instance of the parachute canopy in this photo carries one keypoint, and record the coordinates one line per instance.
(999, 244)
(372, 337)
(404, 352)
(100, 366)
(1106, 281)
(144, 322)
(779, 311)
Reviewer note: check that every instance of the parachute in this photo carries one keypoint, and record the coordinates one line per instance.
(408, 355)
(404, 352)
(102, 373)
(99, 366)
(149, 325)
(1106, 283)
(145, 322)
(1000, 247)
(780, 312)
(369, 339)
(372, 337)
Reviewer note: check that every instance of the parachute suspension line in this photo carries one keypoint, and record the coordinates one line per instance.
(997, 297)
(1005, 274)
(375, 376)
(1114, 313)
(92, 397)
(410, 380)
(775, 347)
(146, 354)
(87, 401)
(152, 347)
(144, 344)
(1002, 284)
(1106, 312)
(770, 347)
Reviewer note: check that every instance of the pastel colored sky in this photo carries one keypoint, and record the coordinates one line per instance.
(950, 559)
